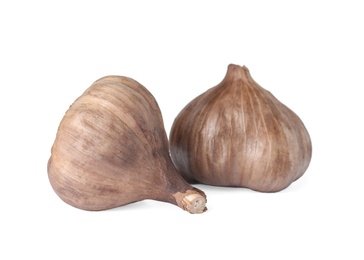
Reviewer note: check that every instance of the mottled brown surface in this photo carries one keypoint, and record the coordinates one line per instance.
(111, 149)
(239, 134)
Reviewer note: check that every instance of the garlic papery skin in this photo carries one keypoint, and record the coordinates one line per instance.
(238, 134)
(111, 149)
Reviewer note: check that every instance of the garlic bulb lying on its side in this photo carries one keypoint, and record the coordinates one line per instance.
(238, 134)
(111, 149)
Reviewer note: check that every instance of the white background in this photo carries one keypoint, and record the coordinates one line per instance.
(309, 54)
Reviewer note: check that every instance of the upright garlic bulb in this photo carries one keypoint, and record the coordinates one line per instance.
(238, 134)
(111, 149)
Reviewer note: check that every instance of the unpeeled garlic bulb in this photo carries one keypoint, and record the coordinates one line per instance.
(111, 149)
(238, 134)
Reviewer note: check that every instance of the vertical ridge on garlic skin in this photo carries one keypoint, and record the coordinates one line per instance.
(273, 116)
(238, 134)
(217, 123)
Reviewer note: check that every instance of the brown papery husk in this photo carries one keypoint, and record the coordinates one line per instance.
(238, 134)
(111, 149)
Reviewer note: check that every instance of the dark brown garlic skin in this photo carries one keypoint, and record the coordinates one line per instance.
(111, 149)
(238, 134)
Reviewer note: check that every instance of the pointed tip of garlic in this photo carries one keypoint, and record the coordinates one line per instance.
(232, 65)
(236, 71)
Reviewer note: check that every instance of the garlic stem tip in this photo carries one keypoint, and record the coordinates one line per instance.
(194, 203)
